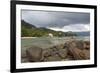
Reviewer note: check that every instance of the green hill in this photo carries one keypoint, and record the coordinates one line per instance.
(27, 25)
(29, 30)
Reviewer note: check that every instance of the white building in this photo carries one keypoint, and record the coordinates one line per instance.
(50, 35)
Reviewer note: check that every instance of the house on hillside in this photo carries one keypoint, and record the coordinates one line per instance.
(50, 35)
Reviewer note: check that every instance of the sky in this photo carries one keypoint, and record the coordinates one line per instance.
(58, 21)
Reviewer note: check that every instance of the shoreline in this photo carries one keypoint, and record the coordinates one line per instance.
(28, 37)
(87, 39)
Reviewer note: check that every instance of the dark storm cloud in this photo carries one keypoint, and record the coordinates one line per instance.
(55, 19)
(58, 21)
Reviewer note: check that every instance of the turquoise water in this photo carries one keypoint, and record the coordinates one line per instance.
(45, 42)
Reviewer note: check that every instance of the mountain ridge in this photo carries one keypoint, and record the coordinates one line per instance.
(31, 30)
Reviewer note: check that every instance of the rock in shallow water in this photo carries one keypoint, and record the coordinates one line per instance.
(87, 45)
(62, 53)
(77, 50)
(53, 58)
(34, 54)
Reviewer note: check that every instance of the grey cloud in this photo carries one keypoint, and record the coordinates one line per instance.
(55, 19)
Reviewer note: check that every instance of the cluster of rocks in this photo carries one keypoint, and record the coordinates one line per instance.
(71, 50)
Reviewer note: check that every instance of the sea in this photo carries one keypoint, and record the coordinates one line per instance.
(45, 42)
